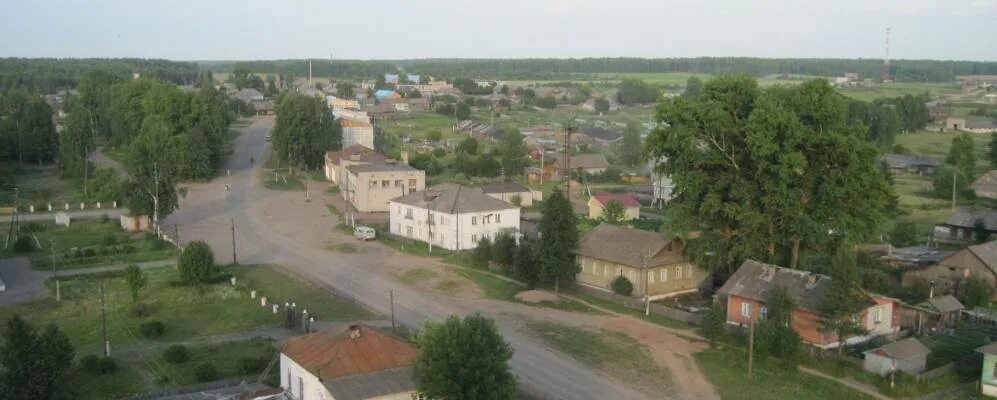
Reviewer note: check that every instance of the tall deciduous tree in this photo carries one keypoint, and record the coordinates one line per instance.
(514, 157)
(636, 91)
(304, 131)
(843, 300)
(601, 105)
(558, 239)
(767, 174)
(151, 163)
(464, 359)
(613, 212)
(693, 88)
(630, 147)
(136, 280)
(962, 155)
(35, 365)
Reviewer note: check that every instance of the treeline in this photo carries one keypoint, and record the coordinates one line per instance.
(887, 118)
(27, 133)
(304, 131)
(47, 75)
(565, 68)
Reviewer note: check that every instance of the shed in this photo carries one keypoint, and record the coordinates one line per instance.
(908, 355)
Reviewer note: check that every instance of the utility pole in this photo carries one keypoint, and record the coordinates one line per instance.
(567, 160)
(391, 297)
(954, 178)
(235, 260)
(647, 296)
(103, 321)
(176, 234)
(55, 273)
(751, 345)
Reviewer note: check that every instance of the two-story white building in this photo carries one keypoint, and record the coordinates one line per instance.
(452, 216)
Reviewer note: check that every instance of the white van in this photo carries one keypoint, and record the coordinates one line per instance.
(364, 233)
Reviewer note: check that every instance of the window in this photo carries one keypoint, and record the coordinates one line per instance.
(633, 276)
(408, 213)
(746, 310)
(664, 274)
(498, 218)
(373, 183)
(678, 272)
(688, 271)
(411, 190)
(301, 388)
(398, 183)
(385, 183)
(877, 315)
(650, 276)
(762, 312)
(474, 220)
(408, 230)
(474, 238)
(411, 183)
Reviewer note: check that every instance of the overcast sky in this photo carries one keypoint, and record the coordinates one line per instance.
(393, 29)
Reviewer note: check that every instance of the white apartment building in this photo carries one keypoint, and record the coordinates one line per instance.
(452, 216)
(357, 132)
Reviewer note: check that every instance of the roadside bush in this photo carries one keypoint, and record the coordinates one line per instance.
(197, 263)
(127, 249)
(152, 329)
(24, 244)
(968, 367)
(482, 254)
(206, 372)
(251, 365)
(106, 366)
(142, 310)
(109, 240)
(97, 365)
(89, 253)
(89, 363)
(176, 354)
(622, 286)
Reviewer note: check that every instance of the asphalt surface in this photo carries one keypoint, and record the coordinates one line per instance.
(209, 211)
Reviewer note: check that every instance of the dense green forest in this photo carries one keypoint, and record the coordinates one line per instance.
(47, 75)
(549, 68)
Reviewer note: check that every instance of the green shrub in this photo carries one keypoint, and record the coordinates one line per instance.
(176, 354)
(252, 365)
(152, 329)
(206, 372)
(142, 310)
(106, 366)
(197, 263)
(89, 253)
(127, 249)
(622, 286)
(90, 363)
(109, 240)
(24, 244)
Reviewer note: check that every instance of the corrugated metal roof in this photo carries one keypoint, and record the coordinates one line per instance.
(329, 355)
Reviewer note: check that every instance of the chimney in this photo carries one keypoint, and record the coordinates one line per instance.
(404, 156)
(354, 332)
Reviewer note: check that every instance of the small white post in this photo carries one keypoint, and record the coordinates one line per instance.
(67, 206)
(31, 208)
(275, 307)
(114, 204)
(263, 301)
(49, 207)
(98, 205)
(252, 294)
(83, 205)
(233, 281)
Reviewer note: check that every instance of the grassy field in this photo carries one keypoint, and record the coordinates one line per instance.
(91, 243)
(726, 369)
(898, 89)
(613, 353)
(187, 312)
(654, 78)
(37, 185)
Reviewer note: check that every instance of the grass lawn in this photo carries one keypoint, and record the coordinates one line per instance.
(654, 78)
(91, 243)
(494, 288)
(611, 352)
(621, 309)
(282, 181)
(898, 89)
(37, 185)
(936, 144)
(417, 275)
(726, 369)
(187, 312)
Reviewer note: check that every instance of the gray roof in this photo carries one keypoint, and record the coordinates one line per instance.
(585, 161)
(943, 304)
(452, 198)
(965, 217)
(987, 181)
(386, 167)
(603, 134)
(504, 187)
(902, 349)
(979, 123)
(989, 349)
(371, 385)
(909, 160)
(754, 279)
(627, 246)
(987, 253)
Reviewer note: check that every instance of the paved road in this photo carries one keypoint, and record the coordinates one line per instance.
(208, 212)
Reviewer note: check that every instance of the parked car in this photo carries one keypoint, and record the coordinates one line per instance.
(364, 233)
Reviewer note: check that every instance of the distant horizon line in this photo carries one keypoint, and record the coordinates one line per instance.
(203, 61)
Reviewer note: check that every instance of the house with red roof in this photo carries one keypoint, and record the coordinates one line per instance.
(598, 202)
(358, 363)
